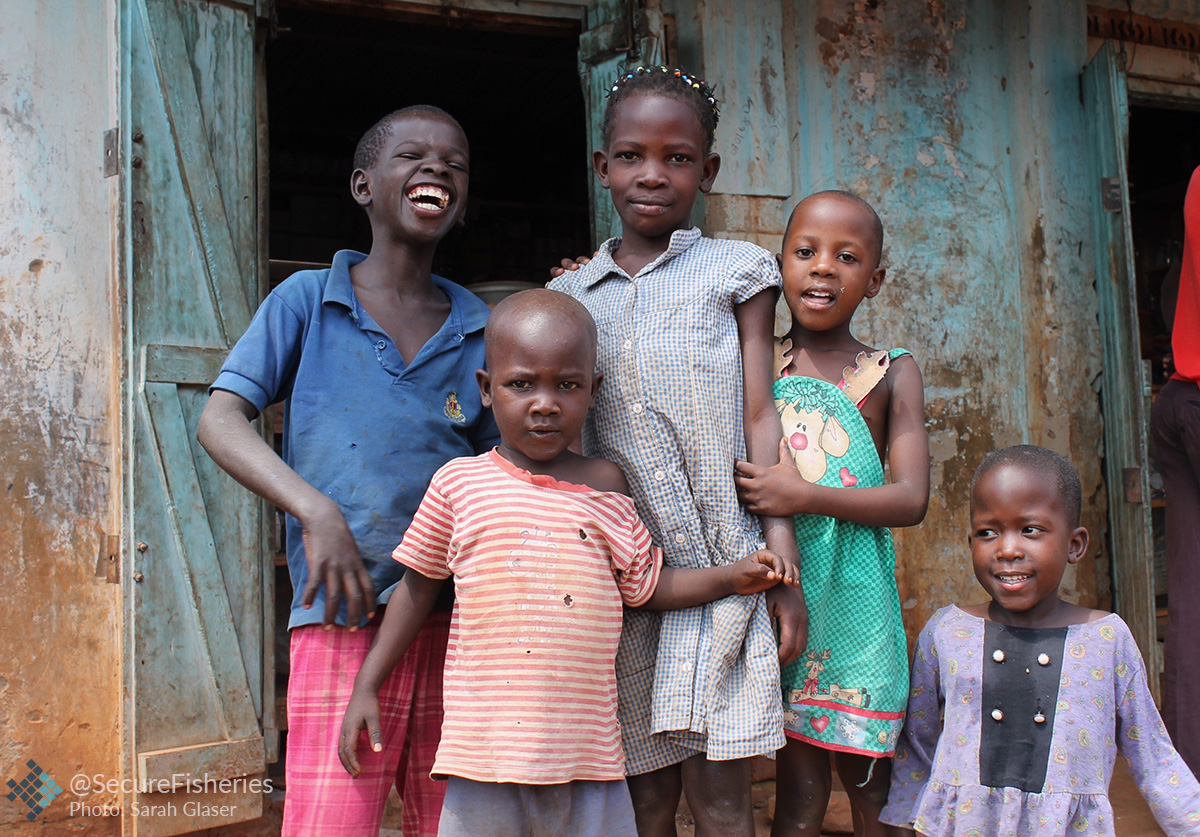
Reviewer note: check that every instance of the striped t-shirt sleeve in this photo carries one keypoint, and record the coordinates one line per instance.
(426, 544)
(636, 561)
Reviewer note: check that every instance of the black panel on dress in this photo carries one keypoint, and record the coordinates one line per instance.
(1014, 752)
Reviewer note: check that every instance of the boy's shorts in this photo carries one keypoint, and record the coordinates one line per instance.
(320, 796)
(573, 809)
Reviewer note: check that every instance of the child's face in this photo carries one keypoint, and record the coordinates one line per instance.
(655, 165)
(540, 383)
(829, 261)
(1021, 539)
(417, 189)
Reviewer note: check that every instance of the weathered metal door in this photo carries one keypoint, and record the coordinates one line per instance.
(199, 684)
(1122, 388)
(617, 34)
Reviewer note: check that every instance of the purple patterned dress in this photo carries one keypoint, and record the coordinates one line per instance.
(975, 711)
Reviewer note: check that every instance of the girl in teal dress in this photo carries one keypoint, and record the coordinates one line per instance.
(845, 408)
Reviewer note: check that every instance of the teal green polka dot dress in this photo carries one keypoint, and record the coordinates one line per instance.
(848, 690)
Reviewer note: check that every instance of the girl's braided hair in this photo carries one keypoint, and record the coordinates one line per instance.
(663, 81)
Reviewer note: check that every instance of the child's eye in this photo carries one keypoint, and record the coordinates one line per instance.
(519, 384)
(680, 158)
(1031, 530)
(805, 253)
(457, 166)
(985, 533)
(628, 156)
(568, 385)
(846, 257)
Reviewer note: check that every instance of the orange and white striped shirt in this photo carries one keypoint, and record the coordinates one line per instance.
(541, 569)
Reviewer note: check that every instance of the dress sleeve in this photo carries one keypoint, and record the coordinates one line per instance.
(426, 544)
(1161, 775)
(751, 271)
(915, 749)
(261, 367)
(636, 561)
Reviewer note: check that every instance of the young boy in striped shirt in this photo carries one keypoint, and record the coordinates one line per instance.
(545, 548)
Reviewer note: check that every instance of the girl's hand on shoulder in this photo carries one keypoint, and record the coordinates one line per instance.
(569, 264)
(762, 570)
(361, 713)
(777, 491)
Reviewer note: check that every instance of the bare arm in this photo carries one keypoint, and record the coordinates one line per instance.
(758, 571)
(756, 319)
(333, 560)
(779, 488)
(411, 603)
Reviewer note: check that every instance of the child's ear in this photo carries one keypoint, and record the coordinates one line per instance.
(875, 282)
(779, 260)
(712, 165)
(485, 387)
(597, 379)
(360, 188)
(1077, 545)
(600, 165)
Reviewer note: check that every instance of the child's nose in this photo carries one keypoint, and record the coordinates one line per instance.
(653, 174)
(544, 404)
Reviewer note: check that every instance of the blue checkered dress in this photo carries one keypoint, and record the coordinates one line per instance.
(670, 414)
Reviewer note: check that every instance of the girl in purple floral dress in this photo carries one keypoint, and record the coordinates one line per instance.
(1020, 705)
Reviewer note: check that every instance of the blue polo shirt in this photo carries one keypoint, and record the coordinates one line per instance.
(360, 425)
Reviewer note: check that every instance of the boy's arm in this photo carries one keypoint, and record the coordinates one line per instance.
(680, 588)
(756, 327)
(333, 560)
(410, 605)
(779, 488)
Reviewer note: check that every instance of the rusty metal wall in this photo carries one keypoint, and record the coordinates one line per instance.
(961, 121)
(59, 622)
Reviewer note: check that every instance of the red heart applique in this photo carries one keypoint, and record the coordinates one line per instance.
(848, 479)
(819, 724)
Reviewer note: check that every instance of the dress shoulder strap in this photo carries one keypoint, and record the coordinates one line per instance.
(866, 373)
(783, 355)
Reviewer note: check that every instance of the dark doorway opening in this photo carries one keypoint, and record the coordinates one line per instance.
(1164, 149)
(516, 91)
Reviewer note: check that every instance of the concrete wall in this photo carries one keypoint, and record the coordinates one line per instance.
(961, 122)
(59, 422)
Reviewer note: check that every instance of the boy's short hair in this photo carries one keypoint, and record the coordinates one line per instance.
(366, 153)
(876, 223)
(1042, 461)
(538, 300)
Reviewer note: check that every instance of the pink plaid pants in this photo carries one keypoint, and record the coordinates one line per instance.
(322, 800)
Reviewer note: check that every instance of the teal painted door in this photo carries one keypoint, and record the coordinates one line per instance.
(1122, 385)
(199, 676)
(617, 34)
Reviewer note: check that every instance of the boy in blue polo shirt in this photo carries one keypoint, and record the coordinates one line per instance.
(375, 361)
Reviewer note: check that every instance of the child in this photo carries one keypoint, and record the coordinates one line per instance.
(375, 359)
(544, 546)
(685, 324)
(846, 409)
(1019, 705)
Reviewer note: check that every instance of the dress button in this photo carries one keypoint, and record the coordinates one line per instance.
(660, 475)
(680, 537)
(628, 344)
(997, 715)
(381, 345)
(998, 655)
(1043, 659)
(637, 408)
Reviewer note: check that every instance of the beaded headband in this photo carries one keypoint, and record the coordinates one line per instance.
(689, 80)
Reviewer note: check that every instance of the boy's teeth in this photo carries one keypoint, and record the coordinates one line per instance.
(430, 195)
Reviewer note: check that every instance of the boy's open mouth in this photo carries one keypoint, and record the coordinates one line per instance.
(429, 197)
(818, 298)
(1013, 579)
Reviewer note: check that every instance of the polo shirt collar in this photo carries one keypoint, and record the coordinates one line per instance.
(606, 265)
(468, 313)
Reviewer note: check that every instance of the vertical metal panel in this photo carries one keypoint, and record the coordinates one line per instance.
(59, 420)
(196, 593)
(1121, 389)
(743, 40)
(960, 121)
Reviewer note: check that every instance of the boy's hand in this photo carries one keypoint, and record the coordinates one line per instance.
(333, 560)
(762, 570)
(361, 713)
(777, 491)
(786, 605)
(569, 264)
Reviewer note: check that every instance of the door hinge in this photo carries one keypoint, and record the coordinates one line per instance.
(1132, 480)
(1110, 194)
(108, 566)
(112, 139)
